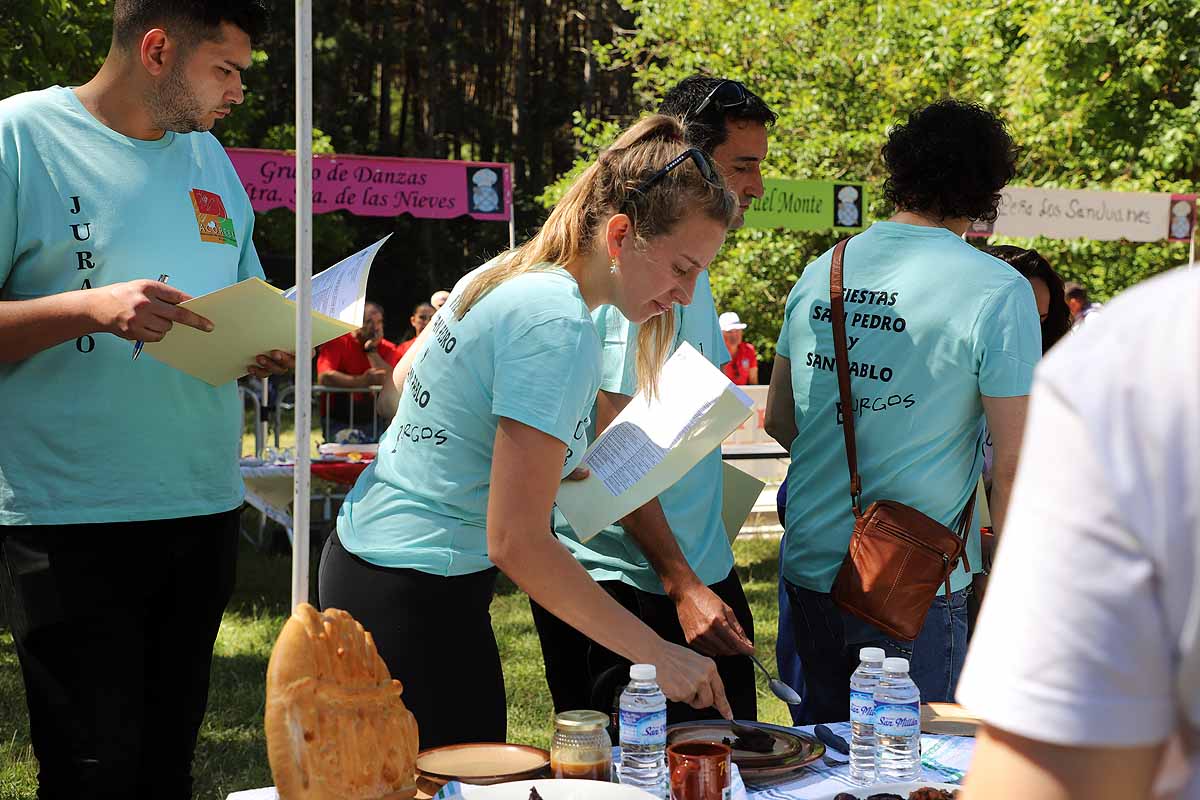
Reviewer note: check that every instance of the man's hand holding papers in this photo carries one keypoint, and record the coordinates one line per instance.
(254, 324)
(144, 310)
(276, 362)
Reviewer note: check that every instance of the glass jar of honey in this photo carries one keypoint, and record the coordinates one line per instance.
(581, 748)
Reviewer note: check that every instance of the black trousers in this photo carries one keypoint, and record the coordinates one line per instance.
(583, 674)
(114, 626)
(435, 635)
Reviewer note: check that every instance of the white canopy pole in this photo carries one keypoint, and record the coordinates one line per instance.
(300, 496)
(263, 428)
(512, 210)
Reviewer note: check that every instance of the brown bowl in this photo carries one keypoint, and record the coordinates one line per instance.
(482, 763)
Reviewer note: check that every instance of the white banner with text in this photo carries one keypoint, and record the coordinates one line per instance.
(1100, 216)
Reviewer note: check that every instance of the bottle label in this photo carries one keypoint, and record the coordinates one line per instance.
(897, 719)
(643, 727)
(862, 707)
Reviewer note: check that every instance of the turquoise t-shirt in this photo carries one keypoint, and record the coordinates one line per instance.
(90, 435)
(932, 324)
(693, 505)
(526, 351)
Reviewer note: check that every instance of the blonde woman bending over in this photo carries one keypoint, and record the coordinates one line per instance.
(490, 406)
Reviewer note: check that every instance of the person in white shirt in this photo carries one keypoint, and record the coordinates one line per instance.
(1085, 669)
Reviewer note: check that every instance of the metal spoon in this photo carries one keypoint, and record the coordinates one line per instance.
(831, 761)
(780, 689)
(738, 728)
(742, 730)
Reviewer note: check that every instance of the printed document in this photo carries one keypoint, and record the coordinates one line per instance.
(341, 291)
(652, 443)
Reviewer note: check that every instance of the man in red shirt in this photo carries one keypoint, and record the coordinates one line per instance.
(357, 360)
(742, 368)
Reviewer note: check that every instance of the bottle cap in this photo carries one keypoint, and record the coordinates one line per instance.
(873, 654)
(642, 672)
(895, 665)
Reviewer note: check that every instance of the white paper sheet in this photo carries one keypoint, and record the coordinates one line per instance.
(652, 444)
(639, 438)
(340, 291)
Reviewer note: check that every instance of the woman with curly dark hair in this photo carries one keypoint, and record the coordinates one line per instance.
(940, 335)
(1047, 289)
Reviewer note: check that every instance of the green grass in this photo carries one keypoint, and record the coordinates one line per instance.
(231, 754)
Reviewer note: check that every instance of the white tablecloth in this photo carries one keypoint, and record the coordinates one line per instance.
(944, 759)
(269, 488)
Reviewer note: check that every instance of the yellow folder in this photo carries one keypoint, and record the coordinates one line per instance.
(249, 318)
(981, 506)
(741, 492)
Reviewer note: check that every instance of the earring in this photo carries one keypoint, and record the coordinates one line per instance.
(612, 266)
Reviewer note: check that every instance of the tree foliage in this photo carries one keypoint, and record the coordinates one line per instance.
(48, 42)
(492, 80)
(488, 80)
(1100, 94)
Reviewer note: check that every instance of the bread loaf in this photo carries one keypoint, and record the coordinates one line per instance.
(336, 726)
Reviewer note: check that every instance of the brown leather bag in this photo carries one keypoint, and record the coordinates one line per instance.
(898, 557)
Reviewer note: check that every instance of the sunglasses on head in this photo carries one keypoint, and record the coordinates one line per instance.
(703, 165)
(725, 95)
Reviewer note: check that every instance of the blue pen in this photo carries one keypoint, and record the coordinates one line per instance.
(137, 348)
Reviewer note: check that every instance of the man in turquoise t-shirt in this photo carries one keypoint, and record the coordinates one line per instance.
(670, 561)
(940, 335)
(119, 483)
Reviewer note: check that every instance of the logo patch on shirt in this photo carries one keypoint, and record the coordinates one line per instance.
(211, 218)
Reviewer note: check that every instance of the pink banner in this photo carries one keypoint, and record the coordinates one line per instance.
(379, 187)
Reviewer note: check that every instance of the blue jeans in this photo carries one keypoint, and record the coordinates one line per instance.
(827, 640)
(941, 647)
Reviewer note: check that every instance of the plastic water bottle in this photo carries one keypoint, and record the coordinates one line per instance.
(897, 724)
(862, 714)
(644, 732)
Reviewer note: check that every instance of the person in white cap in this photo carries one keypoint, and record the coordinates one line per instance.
(439, 298)
(742, 367)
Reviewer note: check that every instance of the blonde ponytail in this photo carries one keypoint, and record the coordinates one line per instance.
(607, 187)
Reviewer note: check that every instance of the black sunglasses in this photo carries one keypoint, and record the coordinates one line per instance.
(698, 158)
(725, 95)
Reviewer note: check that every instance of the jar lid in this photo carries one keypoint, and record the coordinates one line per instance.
(581, 720)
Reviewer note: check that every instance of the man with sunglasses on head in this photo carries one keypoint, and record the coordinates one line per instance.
(669, 562)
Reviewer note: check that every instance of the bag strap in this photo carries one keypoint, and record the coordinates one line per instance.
(963, 529)
(837, 310)
(967, 517)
